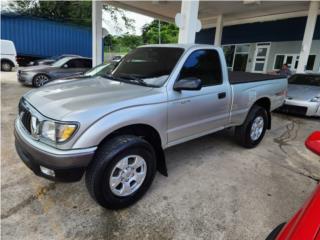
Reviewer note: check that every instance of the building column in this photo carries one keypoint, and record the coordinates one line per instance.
(218, 33)
(308, 36)
(188, 21)
(96, 32)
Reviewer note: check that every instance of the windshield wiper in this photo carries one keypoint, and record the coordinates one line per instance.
(112, 77)
(132, 77)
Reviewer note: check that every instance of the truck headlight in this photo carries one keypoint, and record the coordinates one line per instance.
(315, 99)
(57, 132)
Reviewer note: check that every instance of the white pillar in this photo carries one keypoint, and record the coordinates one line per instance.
(218, 34)
(96, 32)
(189, 21)
(308, 35)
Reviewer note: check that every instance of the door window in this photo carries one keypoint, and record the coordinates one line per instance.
(73, 63)
(237, 56)
(204, 65)
(229, 54)
(79, 63)
(279, 61)
(240, 62)
(85, 63)
(261, 55)
(310, 63)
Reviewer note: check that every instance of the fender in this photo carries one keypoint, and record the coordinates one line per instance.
(154, 115)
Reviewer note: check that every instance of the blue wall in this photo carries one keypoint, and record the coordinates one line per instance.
(42, 38)
(274, 31)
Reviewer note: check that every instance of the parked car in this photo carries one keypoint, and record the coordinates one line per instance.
(8, 55)
(48, 61)
(116, 127)
(37, 76)
(100, 70)
(305, 224)
(303, 95)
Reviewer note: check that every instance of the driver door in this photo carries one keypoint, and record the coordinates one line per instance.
(72, 67)
(192, 113)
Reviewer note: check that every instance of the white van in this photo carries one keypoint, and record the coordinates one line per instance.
(8, 55)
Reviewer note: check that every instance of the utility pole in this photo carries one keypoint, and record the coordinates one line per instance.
(159, 30)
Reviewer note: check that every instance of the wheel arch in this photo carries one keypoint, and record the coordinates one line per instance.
(265, 103)
(41, 74)
(7, 60)
(148, 133)
(38, 74)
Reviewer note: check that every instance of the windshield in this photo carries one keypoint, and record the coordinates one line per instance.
(305, 79)
(149, 66)
(54, 58)
(100, 70)
(61, 62)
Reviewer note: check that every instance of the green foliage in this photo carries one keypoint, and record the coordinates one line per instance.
(122, 43)
(168, 32)
(77, 12)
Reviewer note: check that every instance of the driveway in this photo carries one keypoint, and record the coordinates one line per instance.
(215, 189)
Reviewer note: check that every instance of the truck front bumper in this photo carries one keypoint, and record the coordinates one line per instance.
(49, 162)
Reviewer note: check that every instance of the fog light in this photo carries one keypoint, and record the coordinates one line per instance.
(47, 171)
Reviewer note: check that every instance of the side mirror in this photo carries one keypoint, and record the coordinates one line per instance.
(190, 84)
(313, 142)
(65, 66)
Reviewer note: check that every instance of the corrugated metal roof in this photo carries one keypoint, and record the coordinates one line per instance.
(42, 38)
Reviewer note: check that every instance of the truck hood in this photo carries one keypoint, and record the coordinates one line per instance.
(88, 98)
(303, 92)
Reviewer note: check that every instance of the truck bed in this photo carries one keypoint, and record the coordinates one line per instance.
(245, 77)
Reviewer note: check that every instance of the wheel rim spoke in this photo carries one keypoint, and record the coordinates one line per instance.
(115, 181)
(128, 175)
(123, 164)
(257, 128)
(139, 162)
(126, 189)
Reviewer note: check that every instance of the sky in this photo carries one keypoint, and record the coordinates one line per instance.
(140, 20)
(110, 25)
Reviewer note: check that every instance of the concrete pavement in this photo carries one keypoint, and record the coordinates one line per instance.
(215, 189)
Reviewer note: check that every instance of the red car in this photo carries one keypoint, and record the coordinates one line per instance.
(305, 224)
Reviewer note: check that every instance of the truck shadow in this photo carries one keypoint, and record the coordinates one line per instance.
(193, 152)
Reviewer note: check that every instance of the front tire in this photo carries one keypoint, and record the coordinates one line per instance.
(6, 66)
(40, 80)
(121, 172)
(252, 131)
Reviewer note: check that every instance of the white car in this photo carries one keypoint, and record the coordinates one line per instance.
(8, 55)
(303, 95)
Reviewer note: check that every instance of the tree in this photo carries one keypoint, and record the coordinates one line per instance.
(123, 43)
(77, 12)
(168, 32)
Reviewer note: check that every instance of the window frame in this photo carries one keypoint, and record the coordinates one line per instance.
(296, 58)
(73, 59)
(314, 61)
(188, 54)
(235, 52)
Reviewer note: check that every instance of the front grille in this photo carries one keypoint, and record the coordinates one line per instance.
(25, 116)
(294, 109)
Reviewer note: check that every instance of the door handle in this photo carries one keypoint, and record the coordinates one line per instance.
(222, 95)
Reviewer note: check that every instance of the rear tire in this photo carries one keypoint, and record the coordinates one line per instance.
(6, 66)
(116, 185)
(252, 131)
(40, 80)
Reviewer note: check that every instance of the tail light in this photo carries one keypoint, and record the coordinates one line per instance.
(313, 142)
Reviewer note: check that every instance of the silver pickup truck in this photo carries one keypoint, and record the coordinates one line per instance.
(115, 128)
